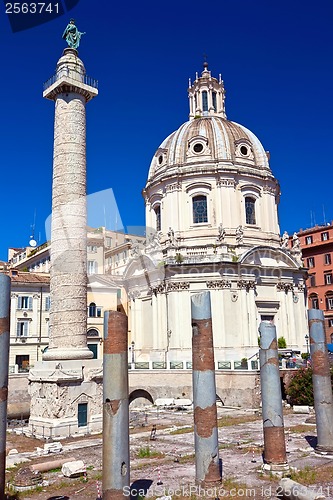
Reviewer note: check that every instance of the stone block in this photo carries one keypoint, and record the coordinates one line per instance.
(53, 447)
(72, 469)
(13, 452)
(301, 409)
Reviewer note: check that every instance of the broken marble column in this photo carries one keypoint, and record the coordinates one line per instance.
(207, 467)
(321, 378)
(272, 412)
(4, 366)
(116, 460)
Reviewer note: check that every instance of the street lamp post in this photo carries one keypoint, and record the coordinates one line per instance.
(132, 353)
(307, 344)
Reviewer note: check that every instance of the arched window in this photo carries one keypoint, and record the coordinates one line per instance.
(214, 101)
(250, 210)
(92, 333)
(158, 217)
(92, 310)
(313, 301)
(199, 204)
(204, 101)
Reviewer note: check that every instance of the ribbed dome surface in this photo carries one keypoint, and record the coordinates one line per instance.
(210, 139)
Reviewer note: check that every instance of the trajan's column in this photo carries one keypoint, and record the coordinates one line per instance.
(64, 387)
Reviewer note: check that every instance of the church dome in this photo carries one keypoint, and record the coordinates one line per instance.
(208, 138)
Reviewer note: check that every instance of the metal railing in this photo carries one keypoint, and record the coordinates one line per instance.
(87, 80)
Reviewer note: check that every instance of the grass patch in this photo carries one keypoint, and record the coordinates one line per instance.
(307, 475)
(146, 452)
(184, 430)
(243, 419)
(300, 428)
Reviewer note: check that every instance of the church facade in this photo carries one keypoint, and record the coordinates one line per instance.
(212, 224)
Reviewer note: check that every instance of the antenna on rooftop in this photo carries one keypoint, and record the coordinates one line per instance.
(324, 215)
(32, 241)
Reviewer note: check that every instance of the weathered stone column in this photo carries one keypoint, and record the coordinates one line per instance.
(321, 377)
(68, 288)
(116, 459)
(4, 365)
(207, 467)
(272, 411)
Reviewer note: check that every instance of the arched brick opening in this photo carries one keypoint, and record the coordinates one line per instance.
(140, 393)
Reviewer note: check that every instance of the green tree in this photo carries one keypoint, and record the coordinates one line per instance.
(300, 388)
(282, 344)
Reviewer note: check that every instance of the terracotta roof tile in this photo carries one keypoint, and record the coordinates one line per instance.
(24, 277)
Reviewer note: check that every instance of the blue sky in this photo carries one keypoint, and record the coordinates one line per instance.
(276, 61)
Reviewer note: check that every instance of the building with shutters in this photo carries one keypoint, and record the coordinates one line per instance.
(317, 252)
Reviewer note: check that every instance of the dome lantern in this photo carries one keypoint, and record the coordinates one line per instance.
(206, 95)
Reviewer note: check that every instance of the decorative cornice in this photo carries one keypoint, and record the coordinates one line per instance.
(218, 284)
(269, 189)
(170, 286)
(246, 284)
(173, 286)
(177, 186)
(301, 287)
(284, 286)
(225, 183)
(134, 294)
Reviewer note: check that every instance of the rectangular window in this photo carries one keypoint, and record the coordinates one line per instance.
(82, 414)
(329, 302)
(204, 101)
(108, 241)
(214, 101)
(22, 327)
(314, 303)
(310, 262)
(92, 266)
(47, 303)
(250, 210)
(158, 218)
(22, 360)
(327, 258)
(308, 240)
(267, 317)
(24, 302)
(312, 279)
(92, 248)
(94, 350)
(199, 204)
(324, 236)
(330, 322)
(328, 278)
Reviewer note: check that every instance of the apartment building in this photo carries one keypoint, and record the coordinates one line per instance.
(317, 251)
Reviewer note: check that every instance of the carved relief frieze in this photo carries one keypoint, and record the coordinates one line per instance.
(246, 284)
(225, 183)
(154, 290)
(173, 286)
(269, 189)
(134, 294)
(218, 284)
(176, 186)
(285, 287)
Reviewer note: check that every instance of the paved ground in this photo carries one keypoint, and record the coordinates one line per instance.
(170, 458)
